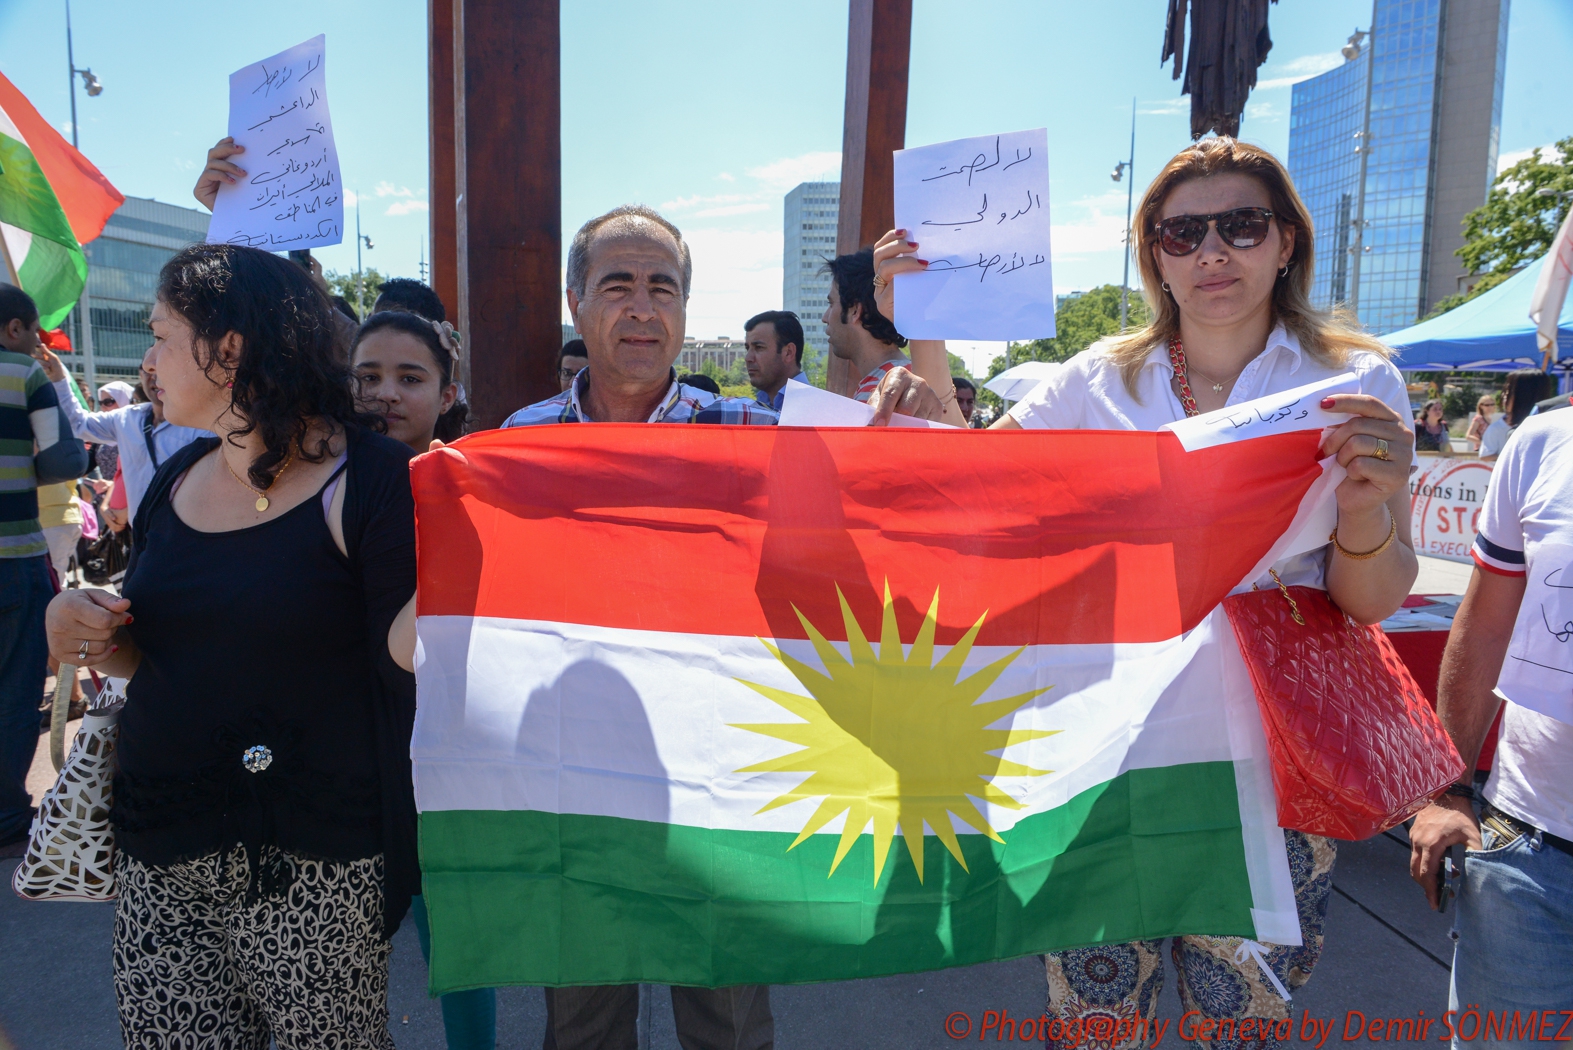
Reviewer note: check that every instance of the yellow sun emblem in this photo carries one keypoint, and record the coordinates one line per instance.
(893, 738)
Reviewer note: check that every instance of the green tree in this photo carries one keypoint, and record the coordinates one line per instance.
(814, 364)
(345, 284)
(1517, 223)
(1082, 322)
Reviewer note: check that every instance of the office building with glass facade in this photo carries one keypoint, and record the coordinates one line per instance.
(809, 224)
(1432, 71)
(122, 276)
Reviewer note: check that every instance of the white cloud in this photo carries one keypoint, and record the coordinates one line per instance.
(1166, 107)
(685, 203)
(737, 273)
(1297, 69)
(789, 171)
(351, 198)
(1507, 160)
(386, 189)
(1262, 110)
(727, 176)
(406, 207)
(731, 209)
(1097, 224)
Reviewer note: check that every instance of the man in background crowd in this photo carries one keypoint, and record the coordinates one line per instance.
(1520, 391)
(570, 359)
(36, 440)
(773, 354)
(1507, 652)
(411, 296)
(854, 327)
(966, 396)
(139, 431)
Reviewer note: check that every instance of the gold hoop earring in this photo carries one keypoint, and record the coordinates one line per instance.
(1166, 286)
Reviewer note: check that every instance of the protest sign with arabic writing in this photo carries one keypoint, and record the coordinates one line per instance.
(979, 210)
(291, 196)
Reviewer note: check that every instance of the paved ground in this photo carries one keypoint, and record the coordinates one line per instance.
(1386, 955)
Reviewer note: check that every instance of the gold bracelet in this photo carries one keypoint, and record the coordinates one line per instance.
(1391, 533)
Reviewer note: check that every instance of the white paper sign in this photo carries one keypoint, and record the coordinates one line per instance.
(1538, 671)
(292, 195)
(979, 212)
(1297, 409)
(809, 406)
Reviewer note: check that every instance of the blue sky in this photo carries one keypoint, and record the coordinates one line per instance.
(708, 109)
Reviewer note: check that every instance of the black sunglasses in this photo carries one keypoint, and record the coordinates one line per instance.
(1240, 228)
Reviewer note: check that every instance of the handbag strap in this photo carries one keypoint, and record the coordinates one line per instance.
(1294, 608)
(59, 714)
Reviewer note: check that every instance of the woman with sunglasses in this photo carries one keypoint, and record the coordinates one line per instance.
(1225, 249)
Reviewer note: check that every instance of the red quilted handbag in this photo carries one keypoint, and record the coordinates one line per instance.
(1356, 746)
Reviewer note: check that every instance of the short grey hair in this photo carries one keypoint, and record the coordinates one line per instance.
(627, 218)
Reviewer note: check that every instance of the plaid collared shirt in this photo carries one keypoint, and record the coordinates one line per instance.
(682, 404)
(870, 382)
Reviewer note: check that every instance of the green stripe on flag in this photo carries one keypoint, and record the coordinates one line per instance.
(525, 897)
(54, 270)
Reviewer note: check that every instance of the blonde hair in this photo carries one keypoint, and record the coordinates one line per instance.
(1327, 336)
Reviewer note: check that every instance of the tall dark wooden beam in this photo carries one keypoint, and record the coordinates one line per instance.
(879, 47)
(444, 218)
(508, 164)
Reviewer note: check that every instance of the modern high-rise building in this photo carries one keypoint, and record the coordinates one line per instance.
(1420, 104)
(811, 211)
(123, 264)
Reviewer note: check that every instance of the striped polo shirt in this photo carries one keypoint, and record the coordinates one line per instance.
(26, 399)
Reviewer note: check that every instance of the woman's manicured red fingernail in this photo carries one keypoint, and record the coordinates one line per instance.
(130, 618)
(925, 262)
(1327, 402)
(114, 648)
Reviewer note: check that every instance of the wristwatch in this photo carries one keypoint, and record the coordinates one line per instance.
(1457, 789)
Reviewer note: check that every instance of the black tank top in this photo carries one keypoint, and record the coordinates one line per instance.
(250, 717)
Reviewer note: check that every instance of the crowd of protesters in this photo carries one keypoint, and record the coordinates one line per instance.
(269, 595)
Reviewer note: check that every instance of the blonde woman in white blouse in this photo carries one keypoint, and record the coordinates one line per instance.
(1226, 251)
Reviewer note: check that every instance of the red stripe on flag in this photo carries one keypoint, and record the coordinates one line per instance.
(1060, 536)
(85, 195)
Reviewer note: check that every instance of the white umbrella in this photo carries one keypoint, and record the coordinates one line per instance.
(1018, 381)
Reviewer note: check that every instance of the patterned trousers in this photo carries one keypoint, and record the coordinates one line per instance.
(1112, 989)
(196, 968)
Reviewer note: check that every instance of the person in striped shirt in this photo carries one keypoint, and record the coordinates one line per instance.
(855, 329)
(36, 447)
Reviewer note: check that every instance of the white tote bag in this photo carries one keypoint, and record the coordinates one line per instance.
(71, 848)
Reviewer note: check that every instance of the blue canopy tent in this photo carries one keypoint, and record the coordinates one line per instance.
(1491, 333)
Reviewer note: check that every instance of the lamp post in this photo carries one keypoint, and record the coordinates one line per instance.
(1351, 51)
(1120, 169)
(360, 274)
(84, 305)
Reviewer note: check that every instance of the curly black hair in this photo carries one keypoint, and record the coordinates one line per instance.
(854, 277)
(288, 376)
(450, 425)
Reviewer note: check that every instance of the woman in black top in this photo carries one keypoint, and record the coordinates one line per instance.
(263, 809)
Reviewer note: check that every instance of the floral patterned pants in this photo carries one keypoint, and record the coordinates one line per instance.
(1113, 988)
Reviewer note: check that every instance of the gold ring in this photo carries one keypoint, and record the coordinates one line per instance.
(880, 281)
(81, 654)
(1381, 452)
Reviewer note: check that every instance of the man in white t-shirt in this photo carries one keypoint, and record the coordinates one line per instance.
(1514, 631)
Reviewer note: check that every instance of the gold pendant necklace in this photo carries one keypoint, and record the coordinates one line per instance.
(262, 499)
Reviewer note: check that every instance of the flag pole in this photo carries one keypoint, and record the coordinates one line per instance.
(10, 267)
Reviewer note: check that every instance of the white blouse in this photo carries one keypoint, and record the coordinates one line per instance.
(1088, 393)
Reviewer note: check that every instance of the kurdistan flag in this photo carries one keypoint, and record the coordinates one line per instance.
(52, 201)
(721, 705)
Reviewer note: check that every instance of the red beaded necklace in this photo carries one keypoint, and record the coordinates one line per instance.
(1177, 359)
